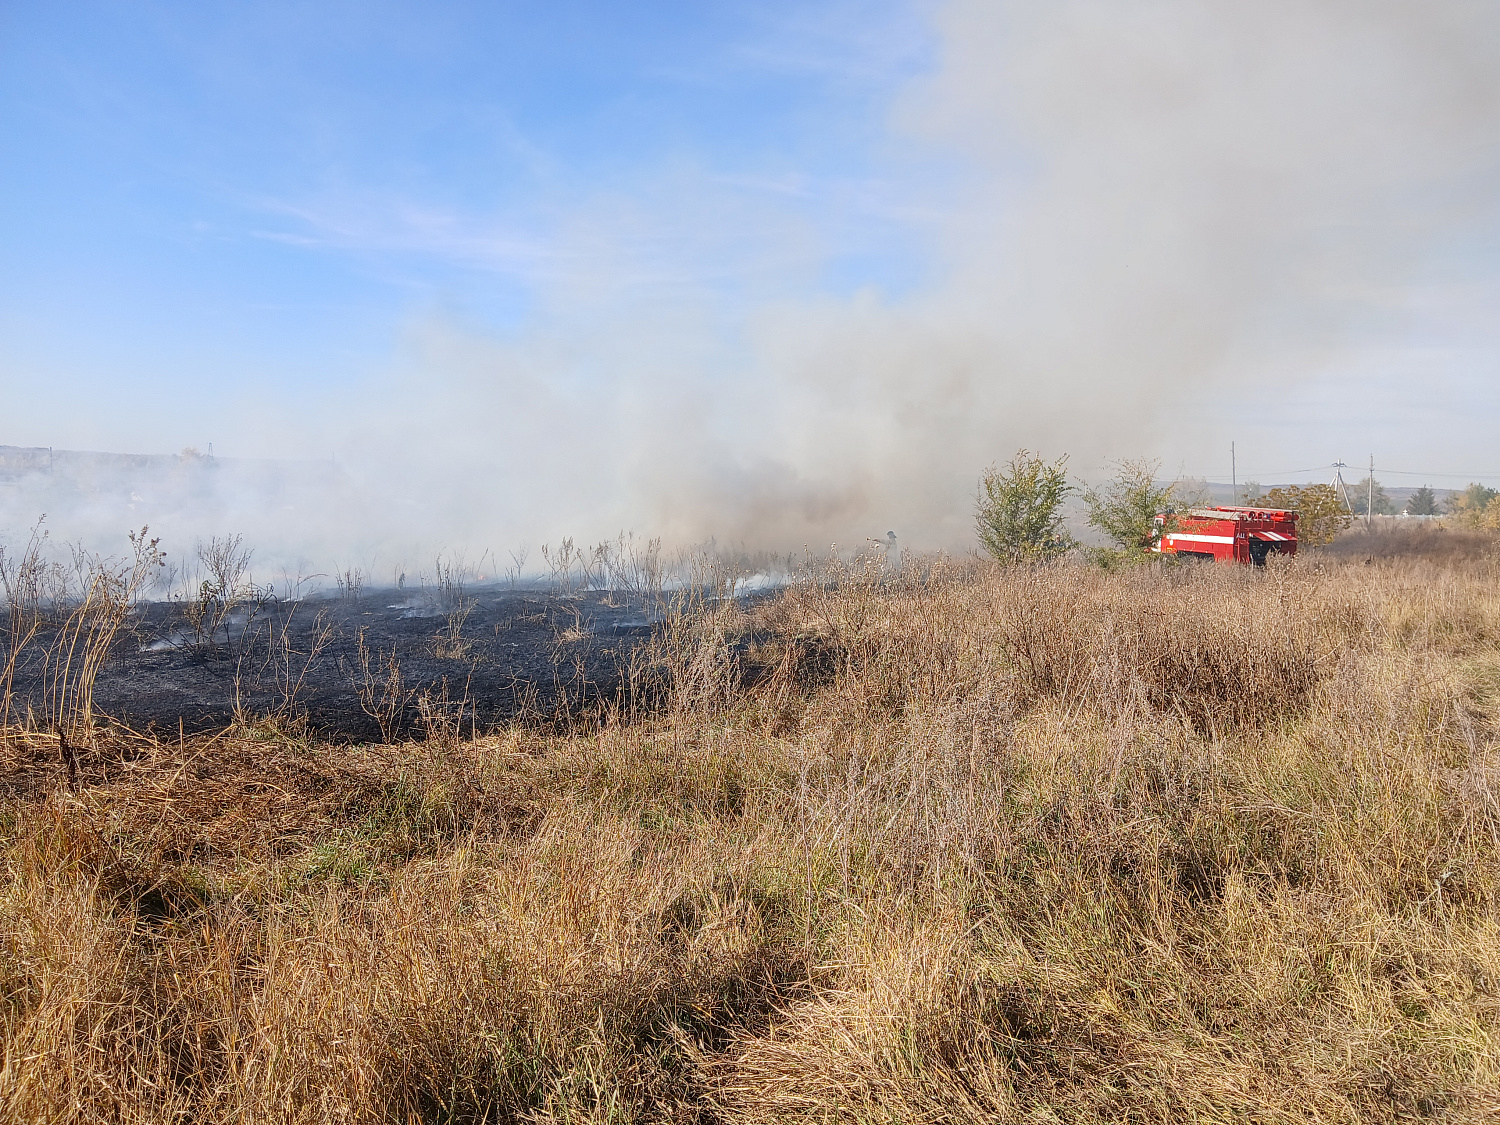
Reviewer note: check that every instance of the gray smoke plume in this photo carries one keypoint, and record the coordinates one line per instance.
(1161, 204)
(1149, 225)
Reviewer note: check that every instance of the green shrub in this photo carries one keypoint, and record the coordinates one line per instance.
(1018, 512)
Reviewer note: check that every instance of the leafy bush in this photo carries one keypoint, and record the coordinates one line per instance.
(1017, 515)
(1125, 509)
(1322, 511)
(1476, 507)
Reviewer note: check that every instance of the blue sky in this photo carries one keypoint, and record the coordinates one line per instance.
(203, 195)
(798, 268)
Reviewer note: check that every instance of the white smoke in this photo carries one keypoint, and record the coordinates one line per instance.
(1137, 217)
(1161, 202)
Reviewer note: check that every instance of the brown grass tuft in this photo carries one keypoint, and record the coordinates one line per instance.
(969, 844)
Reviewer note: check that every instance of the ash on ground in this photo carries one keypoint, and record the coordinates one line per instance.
(386, 664)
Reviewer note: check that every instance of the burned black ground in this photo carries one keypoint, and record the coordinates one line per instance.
(514, 653)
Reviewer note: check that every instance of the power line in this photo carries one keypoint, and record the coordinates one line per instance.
(1291, 472)
(1252, 475)
(1249, 476)
(1457, 476)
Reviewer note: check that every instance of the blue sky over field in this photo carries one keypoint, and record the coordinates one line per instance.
(786, 272)
(204, 194)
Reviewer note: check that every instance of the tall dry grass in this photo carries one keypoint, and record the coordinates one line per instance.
(62, 621)
(967, 844)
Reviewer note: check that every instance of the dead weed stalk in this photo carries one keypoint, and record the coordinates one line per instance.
(949, 843)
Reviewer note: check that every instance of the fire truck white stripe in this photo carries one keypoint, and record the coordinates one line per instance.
(1201, 538)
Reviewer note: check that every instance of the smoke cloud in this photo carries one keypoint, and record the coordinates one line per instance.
(1131, 221)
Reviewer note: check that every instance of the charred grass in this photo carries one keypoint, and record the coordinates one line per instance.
(968, 844)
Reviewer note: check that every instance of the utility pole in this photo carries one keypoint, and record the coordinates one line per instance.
(1338, 481)
(1234, 481)
(1370, 498)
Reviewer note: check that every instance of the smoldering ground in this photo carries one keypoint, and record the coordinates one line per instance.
(159, 646)
(385, 664)
(381, 664)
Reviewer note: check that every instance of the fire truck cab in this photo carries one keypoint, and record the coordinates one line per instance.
(1229, 534)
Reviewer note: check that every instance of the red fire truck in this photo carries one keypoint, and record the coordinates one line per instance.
(1245, 535)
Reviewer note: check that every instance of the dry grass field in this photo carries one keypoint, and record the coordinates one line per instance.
(969, 844)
